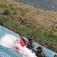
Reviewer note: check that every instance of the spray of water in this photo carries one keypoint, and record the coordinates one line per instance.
(8, 42)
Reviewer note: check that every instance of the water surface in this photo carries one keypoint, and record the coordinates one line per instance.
(6, 52)
(45, 4)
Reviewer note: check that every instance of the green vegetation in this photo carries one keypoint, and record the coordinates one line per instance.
(6, 12)
(37, 34)
(37, 23)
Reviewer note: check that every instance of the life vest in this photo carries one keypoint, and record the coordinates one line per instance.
(18, 44)
(21, 42)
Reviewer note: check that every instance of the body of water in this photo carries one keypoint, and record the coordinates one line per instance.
(45, 4)
(6, 52)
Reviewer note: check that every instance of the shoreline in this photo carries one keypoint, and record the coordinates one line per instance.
(41, 7)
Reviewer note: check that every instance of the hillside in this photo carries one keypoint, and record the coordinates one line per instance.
(40, 24)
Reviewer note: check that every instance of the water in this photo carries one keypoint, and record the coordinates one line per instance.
(4, 31)
(45, 4)
(6, 52)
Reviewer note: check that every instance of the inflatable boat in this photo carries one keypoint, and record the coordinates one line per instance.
(11, 53)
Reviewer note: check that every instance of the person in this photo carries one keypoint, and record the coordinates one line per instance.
(27, 40)
(39, 52)
(30, 43)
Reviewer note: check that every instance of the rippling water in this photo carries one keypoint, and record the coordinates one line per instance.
(5, 52)
(45, 4)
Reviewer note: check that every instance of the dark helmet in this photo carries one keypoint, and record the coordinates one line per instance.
(39, 47)
(55, 55)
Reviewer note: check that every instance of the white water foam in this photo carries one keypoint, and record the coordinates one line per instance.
(27, 52)
(8, 42)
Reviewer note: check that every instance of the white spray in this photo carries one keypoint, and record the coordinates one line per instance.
(8, 42)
